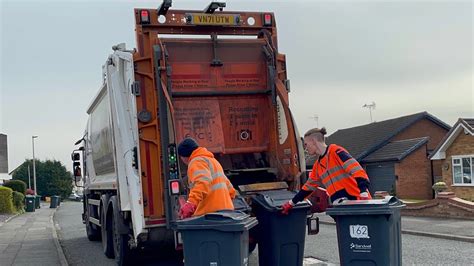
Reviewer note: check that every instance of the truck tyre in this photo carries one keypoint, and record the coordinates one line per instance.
(93, 234)
(106, 232)
(123, 254)
(92, 230)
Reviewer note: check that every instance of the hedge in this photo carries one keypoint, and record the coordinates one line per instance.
(16, 185)
(18, 201)
(6, 200)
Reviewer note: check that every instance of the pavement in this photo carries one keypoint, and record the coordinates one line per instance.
(31, 239)
(445, 228)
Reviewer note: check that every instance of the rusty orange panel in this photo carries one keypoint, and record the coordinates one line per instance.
(246, 123)
(201, 120)
(243, 66)
(223, 124)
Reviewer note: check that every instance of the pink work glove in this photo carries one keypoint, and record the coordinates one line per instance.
(287, 207)
(187, 210)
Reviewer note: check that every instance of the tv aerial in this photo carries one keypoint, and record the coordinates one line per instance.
(370, 106)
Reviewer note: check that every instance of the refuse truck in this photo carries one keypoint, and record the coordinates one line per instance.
(216, 76)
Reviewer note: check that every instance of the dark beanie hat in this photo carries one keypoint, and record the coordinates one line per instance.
(186, 147)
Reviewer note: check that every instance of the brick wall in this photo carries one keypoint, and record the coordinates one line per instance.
(462, 145)
(446, 206)
(414, 176)
(423, 128)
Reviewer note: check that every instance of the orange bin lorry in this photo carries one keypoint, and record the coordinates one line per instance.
(216, 76)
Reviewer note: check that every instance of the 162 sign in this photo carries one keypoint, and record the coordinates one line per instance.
(359, 231)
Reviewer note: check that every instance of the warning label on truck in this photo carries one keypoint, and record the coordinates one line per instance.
(178, 84)
(199, 120)
(243, 116)
(243, 83)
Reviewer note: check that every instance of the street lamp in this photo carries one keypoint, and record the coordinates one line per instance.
(34, 168)
(29, 177)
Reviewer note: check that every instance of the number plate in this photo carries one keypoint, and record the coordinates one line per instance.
(213, 19)
(359, 231)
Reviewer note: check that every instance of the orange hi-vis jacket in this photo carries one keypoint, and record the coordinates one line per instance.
(339, 173)
(211, 190)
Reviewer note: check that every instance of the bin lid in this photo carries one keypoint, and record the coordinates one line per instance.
(227, 221)
(365, 207)
(240, 204)
(273, 200)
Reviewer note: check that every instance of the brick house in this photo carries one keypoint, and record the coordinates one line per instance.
(395, 153)
(455, 154)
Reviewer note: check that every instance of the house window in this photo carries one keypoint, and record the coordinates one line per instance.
(463, 171)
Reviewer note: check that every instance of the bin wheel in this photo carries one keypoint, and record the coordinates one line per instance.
(107, 235)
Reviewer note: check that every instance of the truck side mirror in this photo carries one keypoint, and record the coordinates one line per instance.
(75, 157)
(77, 173)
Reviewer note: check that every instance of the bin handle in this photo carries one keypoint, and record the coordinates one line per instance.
(391, 200)
(339, 201)
(217, 215)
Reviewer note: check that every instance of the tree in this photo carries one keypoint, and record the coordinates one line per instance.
(51, 176)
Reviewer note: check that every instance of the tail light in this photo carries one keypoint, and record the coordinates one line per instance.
(267, 19)
(145, 17)
(174, 185)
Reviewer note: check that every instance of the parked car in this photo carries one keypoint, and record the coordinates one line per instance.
(75, 197)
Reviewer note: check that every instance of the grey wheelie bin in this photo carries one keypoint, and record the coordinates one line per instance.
(240, 204)
(280, 237)
(30, 203)
(216, 239)
(54, 202)
(368, 231)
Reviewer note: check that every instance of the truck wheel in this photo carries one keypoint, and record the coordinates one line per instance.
(107, 235)
(92, 234)
(92, 230)
(123, 254)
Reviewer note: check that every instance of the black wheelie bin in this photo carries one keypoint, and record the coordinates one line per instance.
(280, 237)
(368, 231)
(216, 239)
(30, 203)
(54, 202)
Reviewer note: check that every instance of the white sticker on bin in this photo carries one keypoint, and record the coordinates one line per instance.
(359, 231)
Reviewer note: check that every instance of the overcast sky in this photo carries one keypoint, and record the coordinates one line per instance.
(406, 56)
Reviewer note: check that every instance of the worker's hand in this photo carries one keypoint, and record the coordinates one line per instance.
(187, 210)
(287, 207)
(364, 196)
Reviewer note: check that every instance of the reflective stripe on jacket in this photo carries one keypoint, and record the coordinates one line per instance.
(210, 189)
(339, 173)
